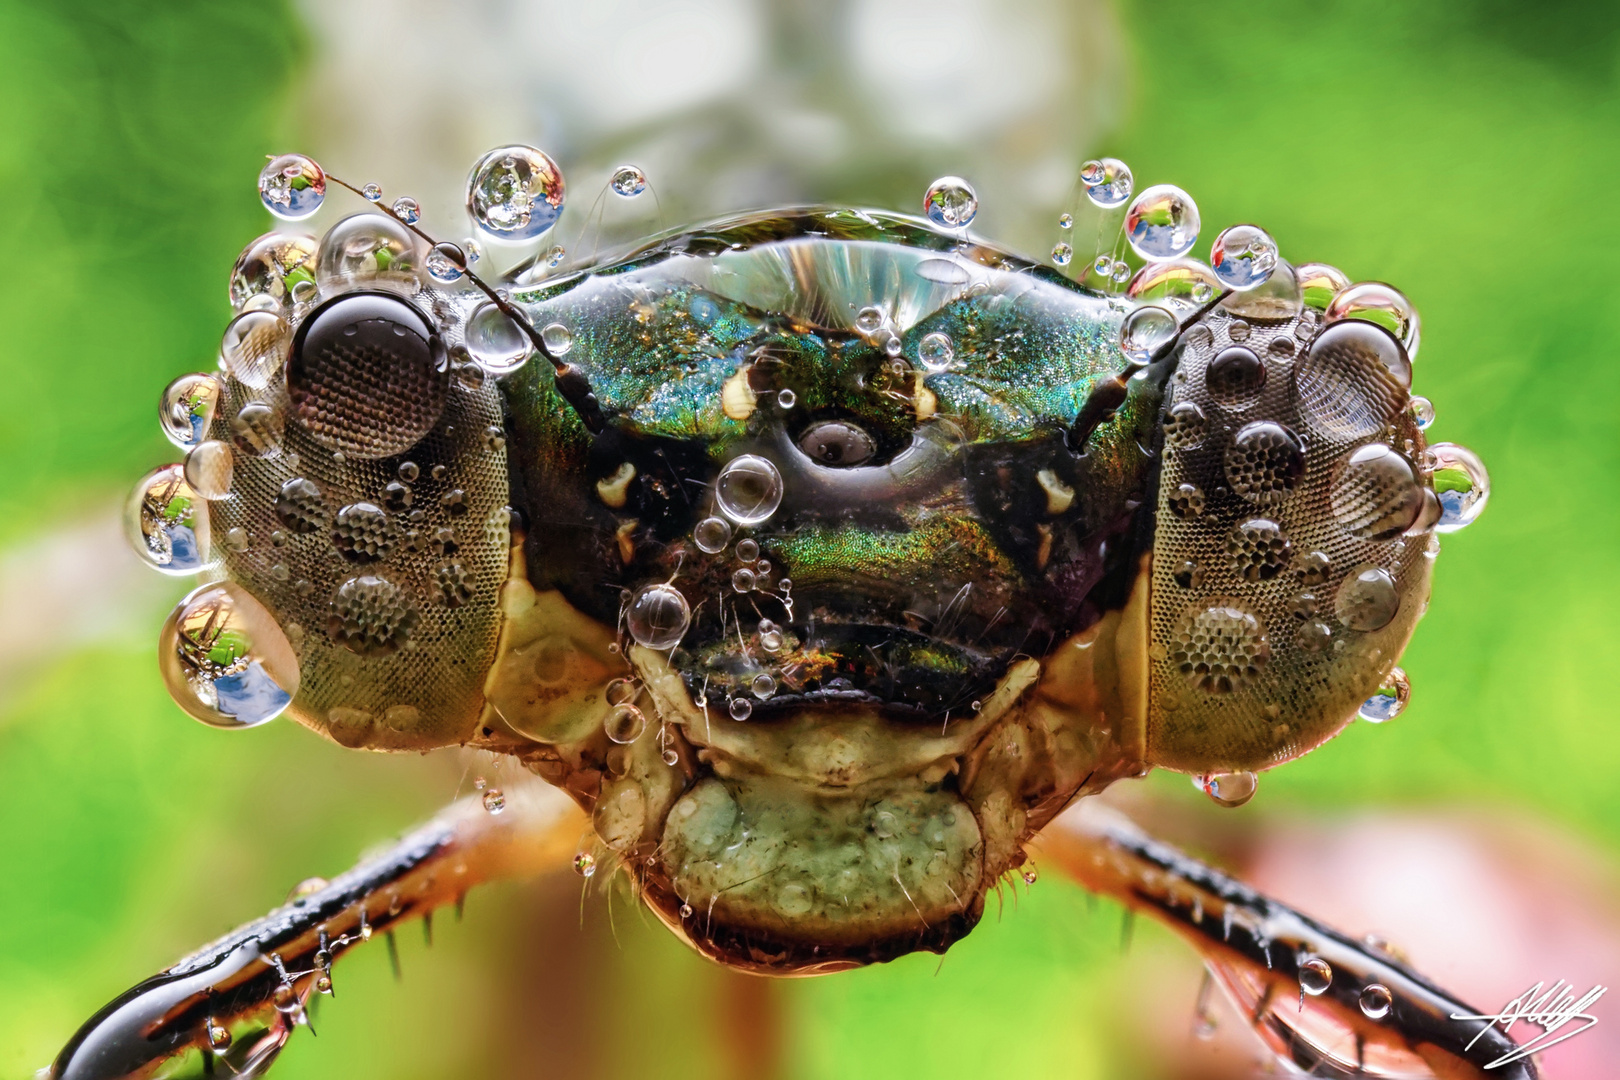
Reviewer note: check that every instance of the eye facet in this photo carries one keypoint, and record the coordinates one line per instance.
(837, 444)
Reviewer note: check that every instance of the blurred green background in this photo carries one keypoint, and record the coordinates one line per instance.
(1465, 151)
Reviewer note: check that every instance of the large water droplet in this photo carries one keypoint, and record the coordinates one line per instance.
(187, 409)
(1182, 285)
(1462, 485)
(936, 351)
(208, 469)
(1315, 976)
(657, 616)
(1319, 283)
(1108, 181)
(446, 262)
(167, 522)
(366, 248)
(748, 490)
(1367, 599)
(515, 193)
(1376, 495)
(1144, 331)
(1375, 1001)
(1422, 410)
(1228, 788)
(1162, 223)
(628, 181)
(1380, 304)
(1243, 257)
(1235, 377)
(1265, 462)
(624, 724)
(712, 534)
(272, 268)
(1353, 380)
(951, 202)
(224, 659)
(495, 340)
(292, 187)
(1389, 700)
(255, 346)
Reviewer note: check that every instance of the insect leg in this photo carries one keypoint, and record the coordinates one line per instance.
(231, 1006)
(1319, 998)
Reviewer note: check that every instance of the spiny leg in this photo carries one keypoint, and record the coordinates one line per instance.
(230, 1007)
(1325, 1002)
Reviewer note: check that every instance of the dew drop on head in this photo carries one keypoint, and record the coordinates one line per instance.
(628, 181)
(951, 202)
(1243, 257)
(515, 193)
(1144, 331)
(1375, 1001)
(495, 341)
(446, 262)
(749, 489)
(1228, 789)
(1162, 223)
(624, 724)
(292, 187)
(1380, 304)
(166, 522)
(712, 535)
(1319, 283)
(1108, 182)
(657, 616)
(187, 409)
(1389, 700)
(1461, 484)
(1315, 976)
(225, 660)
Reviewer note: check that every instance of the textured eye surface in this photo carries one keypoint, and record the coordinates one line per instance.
(837, 443)
(367, 375)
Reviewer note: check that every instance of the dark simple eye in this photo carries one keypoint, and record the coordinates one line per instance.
(837, 443)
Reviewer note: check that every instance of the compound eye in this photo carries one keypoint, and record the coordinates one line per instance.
(368, 376)
(837, 444)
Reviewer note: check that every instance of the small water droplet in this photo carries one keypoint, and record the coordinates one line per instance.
(743, 580)
(787, 398)
(1108, 182)
(762, 686)
(951, 202)
(936, 351)
(740, 708)
(749, 489)
(658, 616)
(1031, 876)
(628, 181)
(1375, 1001)
(686, 911)
(372, 192)
(624, 724)
(1319, 283)
(219, 1037)
(584, 864)
(1243, 257)
(494, 800)
(1061, 254)
(1228, 788)
(292, 187)
(747, 550)
(1389, 700)
(1162, 223)
(1422, 410)
(1065, 221)
(515, 193)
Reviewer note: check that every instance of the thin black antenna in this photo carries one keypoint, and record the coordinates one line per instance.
(572, 383)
